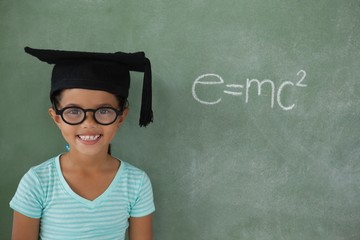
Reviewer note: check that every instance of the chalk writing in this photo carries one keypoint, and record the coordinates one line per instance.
(238, 89)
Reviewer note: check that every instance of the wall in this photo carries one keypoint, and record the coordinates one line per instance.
(256, 104)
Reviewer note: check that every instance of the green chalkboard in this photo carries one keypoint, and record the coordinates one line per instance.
(256, 109)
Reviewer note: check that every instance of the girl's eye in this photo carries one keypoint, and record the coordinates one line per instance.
(105, 111)
(73, 111)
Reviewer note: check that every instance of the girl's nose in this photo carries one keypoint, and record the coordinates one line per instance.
(89, 119)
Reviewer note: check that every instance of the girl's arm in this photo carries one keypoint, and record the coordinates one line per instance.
(140, 228)
(25, 228)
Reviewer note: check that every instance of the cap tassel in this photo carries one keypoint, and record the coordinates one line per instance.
(146, 113)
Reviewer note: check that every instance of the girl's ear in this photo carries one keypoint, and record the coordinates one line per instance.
(122, 117)
(54, 116)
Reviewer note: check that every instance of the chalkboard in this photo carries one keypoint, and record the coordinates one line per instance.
(256, 109)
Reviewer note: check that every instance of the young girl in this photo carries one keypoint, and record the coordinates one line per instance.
(86, 193)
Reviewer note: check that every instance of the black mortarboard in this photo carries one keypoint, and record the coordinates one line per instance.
(99, 71)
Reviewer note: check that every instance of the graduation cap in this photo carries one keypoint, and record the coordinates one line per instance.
(99, 71)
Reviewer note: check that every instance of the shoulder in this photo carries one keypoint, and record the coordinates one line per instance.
(139, 190)
(31, 193)
(43, 174)
(131, 169)
(134, 176)
(44, 169)
(50, 163)
(133, 173)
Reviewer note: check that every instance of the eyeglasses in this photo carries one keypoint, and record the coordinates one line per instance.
(77, 115)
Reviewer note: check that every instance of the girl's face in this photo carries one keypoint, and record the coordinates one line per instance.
(88, 137)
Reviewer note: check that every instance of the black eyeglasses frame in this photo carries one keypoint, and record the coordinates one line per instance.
(61, 111)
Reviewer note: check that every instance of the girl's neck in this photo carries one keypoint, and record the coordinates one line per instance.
(82, 162)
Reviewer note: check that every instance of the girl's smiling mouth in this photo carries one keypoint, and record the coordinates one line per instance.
(89, 138)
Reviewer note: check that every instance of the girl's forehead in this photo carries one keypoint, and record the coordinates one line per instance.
(87, 97)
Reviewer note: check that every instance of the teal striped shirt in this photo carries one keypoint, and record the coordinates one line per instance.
(44, 193)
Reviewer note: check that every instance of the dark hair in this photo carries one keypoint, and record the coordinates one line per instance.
(123, 103)
(55, 99)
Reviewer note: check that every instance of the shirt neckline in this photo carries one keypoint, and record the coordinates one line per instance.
(87, 202)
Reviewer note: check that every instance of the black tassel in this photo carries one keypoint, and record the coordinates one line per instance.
(146, 113)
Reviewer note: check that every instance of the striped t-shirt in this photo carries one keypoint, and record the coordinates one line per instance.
(44, 193)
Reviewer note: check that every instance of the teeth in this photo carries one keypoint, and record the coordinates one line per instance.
(89, 137)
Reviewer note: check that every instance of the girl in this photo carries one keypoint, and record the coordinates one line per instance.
(87, 193)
